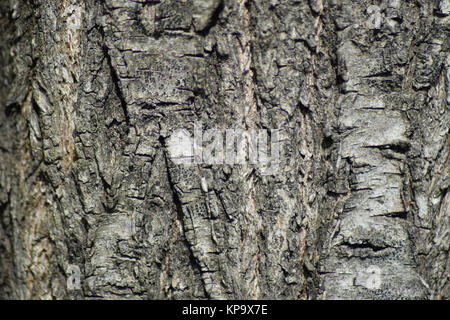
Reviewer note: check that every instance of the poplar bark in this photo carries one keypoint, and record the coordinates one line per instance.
(91, 92)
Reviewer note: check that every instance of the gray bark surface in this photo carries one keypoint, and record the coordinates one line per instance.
(91, 92)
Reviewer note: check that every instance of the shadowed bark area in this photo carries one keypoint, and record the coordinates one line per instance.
(92, 91)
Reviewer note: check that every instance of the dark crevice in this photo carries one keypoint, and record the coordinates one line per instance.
(327, 142)
(399, 147)
(12, 108)
(116, 82)
(213, 20)
(399, 215)
(335, 194)
(364, 245)
(304, 109)
(192, 55)
(146, 1)
(3, 207)
(402, 147)
(179, 212)
(379, 74)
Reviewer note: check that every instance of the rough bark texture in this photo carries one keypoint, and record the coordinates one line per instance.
(92, 90)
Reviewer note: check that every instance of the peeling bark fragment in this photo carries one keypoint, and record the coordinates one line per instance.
(92, 93)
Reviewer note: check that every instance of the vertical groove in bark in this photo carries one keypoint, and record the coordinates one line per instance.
(91, 92)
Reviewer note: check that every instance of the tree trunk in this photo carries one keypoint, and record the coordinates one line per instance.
(92, 93)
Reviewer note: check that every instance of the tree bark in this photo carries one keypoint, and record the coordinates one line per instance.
(92, 91)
